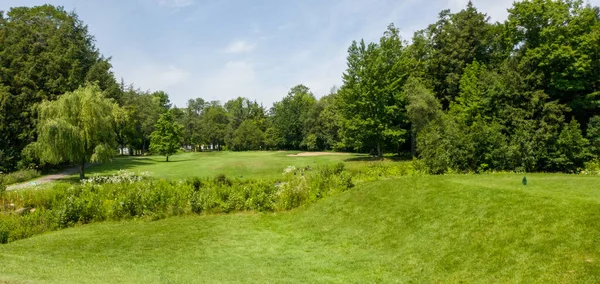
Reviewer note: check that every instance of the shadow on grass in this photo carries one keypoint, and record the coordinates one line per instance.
(120, 164)
(396, 158)
(175, 161)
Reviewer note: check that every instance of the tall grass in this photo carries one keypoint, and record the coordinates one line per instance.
(19, 176)
(29, 212)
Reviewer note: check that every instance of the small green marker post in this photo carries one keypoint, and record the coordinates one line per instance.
(524, 180)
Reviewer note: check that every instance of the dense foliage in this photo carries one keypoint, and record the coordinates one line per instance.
(165, 140)
(44, 53)
(76, 128)
(465, 94)
(126, 196)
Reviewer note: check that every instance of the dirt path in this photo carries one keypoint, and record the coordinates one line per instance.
(46, 179)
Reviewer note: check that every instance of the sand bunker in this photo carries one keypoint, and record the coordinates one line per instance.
(312, 154)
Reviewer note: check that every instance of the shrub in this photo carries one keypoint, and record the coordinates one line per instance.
(4, 233)
(20, 176)
(122, 176)
(339, 168)
(291, 194)
(387, 169)
(196, 183)
(126, 196)
(196, 202)
(592, 168)
(593, 135)
(2, 186)
(221, 179)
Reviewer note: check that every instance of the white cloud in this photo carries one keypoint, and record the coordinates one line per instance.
(240, 46)
(176, 3)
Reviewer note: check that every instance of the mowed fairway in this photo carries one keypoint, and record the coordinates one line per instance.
(241, 165)
(456, 228)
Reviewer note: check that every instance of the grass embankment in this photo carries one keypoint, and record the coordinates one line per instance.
(242, 165)
(468, 228)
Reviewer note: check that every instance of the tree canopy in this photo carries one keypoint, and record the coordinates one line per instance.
(45, 52)
(464, 94)
(78, 127)
(165, 140)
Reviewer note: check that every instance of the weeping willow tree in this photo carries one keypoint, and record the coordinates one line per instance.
(78, 127)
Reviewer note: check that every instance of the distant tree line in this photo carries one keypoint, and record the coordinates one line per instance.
(465, 94)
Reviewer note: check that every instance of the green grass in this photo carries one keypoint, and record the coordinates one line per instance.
(19, 176)
(456, 228)
(243, 165)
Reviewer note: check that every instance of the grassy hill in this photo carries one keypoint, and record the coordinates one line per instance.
(469, 228)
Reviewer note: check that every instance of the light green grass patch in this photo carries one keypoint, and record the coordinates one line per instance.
(243, 165)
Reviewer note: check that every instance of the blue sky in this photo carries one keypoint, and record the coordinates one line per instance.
(222, 49)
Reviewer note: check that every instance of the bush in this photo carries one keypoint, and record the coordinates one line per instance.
(4, 233)
(196, 183)
(2, 186)
(221, 179)
(20, 176)
(25, 213)
(593, 135)
(388, 169)
(591, 168)
(122, 176)
(291, 194)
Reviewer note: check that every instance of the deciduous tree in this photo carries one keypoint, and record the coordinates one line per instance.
(78, 127)
(165, 140)
(371, 97)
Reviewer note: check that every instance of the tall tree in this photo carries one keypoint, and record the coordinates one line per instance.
(78, 127)
(593, 135)
(165, 140)
(422, 108)
(471, 101)
(323, 124)
(556, 46)
(192, 123)
(45, 52)
(241, 110)
(289, 115)
(215, 125)
(457, 40)
(371, 97)
(248, 136)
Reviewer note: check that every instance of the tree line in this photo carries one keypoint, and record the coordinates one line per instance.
(464, 94)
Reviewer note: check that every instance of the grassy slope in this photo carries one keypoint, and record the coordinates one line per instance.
(208, 164)
(429, 229)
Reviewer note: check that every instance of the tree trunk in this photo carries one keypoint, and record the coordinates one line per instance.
(82, 170)
(167, 158)
(379, 153)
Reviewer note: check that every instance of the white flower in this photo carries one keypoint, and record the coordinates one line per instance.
(289, 169)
